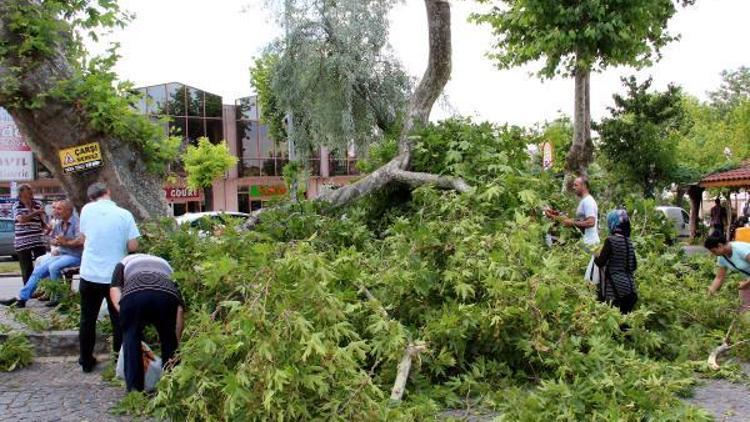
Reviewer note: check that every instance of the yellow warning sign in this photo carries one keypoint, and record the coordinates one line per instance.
(81, 157)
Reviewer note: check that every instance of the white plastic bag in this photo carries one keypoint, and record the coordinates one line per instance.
(151, 367)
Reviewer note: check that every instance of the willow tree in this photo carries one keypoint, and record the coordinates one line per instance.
(332, 77)
(574, 38)
(335, 75)
(59, 97)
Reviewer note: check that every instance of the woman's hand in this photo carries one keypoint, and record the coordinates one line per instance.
(745, 284)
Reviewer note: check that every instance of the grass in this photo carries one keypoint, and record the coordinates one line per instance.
(10, 267)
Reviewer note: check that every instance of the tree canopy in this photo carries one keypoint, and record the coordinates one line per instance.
(574, 38)
(333, 73)
(639, 138)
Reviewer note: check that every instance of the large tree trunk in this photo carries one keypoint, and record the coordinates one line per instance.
(57, 124)
(418, 113)
(581, 152)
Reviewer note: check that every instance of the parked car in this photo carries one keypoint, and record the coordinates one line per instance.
(680, 218)
(206, 222)
(7, 235)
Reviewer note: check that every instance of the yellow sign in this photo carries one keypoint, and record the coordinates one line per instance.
(81, 157)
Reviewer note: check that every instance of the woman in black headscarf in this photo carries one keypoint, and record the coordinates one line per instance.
(618, 263)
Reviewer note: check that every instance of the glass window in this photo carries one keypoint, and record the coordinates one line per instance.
(247, 108)
(314, 166)
(269, 167)
(247, 138)
(256, 205)
(280, 163)
(177, 127)
(6, 226)
(195, 102)
(42, 172)
(214, 130)
(196, 130)
(157, 99)
(265, 144)
(243, 200)
(141, 105)
(250, 167)
(336, 167)
(178, 209)
(282, 149)
(176, 99)
(213, 105)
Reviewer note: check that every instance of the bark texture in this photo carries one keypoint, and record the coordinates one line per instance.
(428, 90)
(418, 113)
(581, 152)
(58, 124)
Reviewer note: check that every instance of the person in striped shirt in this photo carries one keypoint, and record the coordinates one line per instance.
(30, 224)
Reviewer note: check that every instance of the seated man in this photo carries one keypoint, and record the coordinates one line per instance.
(143, 293)
(64, 235)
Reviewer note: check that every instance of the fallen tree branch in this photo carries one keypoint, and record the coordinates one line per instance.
(412, 350)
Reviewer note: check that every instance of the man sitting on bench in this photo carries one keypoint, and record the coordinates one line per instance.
(66, 236)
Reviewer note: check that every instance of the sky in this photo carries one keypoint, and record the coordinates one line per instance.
(211, 45)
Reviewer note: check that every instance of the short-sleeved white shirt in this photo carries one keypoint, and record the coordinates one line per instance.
(107, 228)
(588, 208)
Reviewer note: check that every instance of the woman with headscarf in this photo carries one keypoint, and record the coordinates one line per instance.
(618, 263)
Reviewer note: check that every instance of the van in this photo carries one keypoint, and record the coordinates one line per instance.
(680, 219)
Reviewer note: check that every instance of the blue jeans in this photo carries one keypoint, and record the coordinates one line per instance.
(48, 268)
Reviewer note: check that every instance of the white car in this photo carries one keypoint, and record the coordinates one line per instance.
(206, 221)
(680, 218)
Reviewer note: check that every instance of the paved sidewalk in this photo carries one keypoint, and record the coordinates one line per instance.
(57, 390)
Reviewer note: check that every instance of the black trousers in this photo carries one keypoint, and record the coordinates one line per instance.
(92, 295)
(146, 307)
(26, 259)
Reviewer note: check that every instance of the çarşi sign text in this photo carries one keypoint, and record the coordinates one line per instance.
(81, 157)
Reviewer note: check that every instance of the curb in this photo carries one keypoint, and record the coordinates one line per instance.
(60, 343)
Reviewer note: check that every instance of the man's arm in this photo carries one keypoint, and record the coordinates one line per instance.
(25, 218)
(115, 294)
(132, 245)
(115, 287)
(180, 323)
(581, 224)
(718, 280)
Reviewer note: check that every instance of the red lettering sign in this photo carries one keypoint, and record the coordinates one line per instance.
(182, 193)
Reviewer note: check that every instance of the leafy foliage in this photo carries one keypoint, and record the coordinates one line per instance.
(734, 89)
(586, 34)
(281, 326)
(40, 30)
(639, 139)
(206, 162)
(271, 113)
(15, 352)
(334, 73)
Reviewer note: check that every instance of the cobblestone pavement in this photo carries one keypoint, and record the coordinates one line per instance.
(57, 390)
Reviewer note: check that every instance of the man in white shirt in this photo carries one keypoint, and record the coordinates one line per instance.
(586, 220)
(109, 233)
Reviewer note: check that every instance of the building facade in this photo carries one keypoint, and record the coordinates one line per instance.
(192, 113)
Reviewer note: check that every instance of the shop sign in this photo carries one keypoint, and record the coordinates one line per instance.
(258, 191)
(16, 159)
(81, 157)
(183, 193)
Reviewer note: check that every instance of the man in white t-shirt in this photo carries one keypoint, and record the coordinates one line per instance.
(586, 220)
